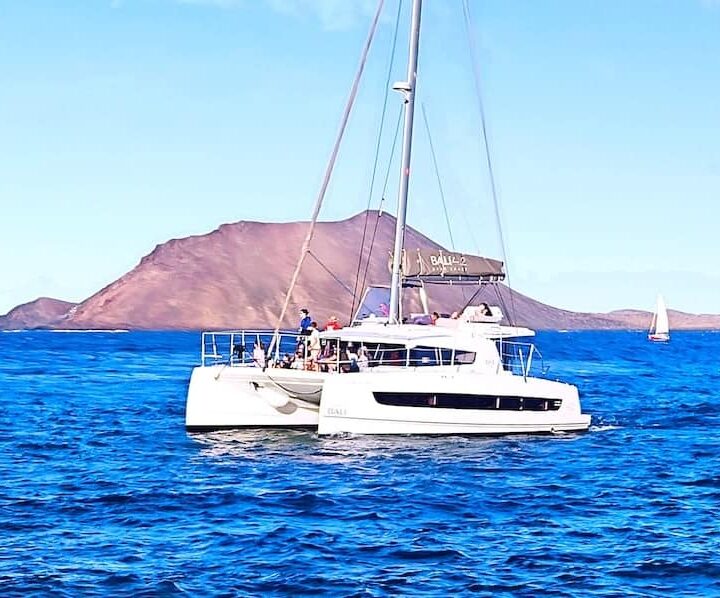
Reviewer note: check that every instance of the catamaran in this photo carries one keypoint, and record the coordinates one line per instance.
(390, 372)
(659, 327)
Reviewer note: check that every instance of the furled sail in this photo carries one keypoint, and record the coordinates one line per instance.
(436, 264)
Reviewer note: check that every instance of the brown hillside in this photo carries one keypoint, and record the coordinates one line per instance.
(632, 318)
(237, 276)
(43, 312)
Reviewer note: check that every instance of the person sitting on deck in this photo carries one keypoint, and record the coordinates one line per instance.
(362, 359)
(259, 355)
(298, 362)
(352, 363)
(327, 360)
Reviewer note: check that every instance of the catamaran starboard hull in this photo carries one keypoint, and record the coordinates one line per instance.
(494, 405)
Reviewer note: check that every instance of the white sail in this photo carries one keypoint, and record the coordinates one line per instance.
(661, 321)
(660, 328)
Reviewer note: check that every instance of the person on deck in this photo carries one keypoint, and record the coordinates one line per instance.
(434, 317)
(314, 343)
(333, 324)
(304, 327)
(298, 362)
(362, 359)
(259, 355)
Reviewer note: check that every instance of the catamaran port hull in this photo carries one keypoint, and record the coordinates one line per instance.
(487, 405)
(223, 397)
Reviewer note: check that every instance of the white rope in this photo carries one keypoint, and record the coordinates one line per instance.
(329, 169)
(496, 202)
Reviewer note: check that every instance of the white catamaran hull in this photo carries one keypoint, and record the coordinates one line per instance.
(350, 404)
(221, 397)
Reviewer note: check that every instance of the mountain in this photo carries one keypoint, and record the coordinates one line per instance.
(41, 313)
(237, 277)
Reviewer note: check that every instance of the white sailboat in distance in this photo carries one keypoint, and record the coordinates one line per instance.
(659, 327)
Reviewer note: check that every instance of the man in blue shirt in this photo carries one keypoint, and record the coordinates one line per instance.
(304, 327)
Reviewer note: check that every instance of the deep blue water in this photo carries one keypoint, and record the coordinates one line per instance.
(102, 492)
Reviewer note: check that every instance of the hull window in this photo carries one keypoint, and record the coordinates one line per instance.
(466, 401)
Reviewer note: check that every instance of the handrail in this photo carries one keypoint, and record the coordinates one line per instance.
(523, 359)
(235, 348)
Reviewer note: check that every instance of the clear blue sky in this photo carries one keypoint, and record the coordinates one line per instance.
(124, 123)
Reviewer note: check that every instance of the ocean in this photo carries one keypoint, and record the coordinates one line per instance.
(103, 493)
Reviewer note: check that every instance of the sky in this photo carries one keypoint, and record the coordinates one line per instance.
(126, 123)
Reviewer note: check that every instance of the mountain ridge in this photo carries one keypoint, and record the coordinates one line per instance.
(236, 276)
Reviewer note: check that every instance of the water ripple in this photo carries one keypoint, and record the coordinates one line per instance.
(103, 492)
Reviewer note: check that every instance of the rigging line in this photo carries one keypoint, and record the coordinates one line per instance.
(472, 298)
(324, 267)
(501, 299)
(330, 166)
(437, 175)
(392, 152)
(476, 74)
(382, 196)
(391, 62)
(440, 187)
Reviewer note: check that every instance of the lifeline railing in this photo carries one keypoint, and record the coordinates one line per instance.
(235, 347)
(523, 359)
(290, 350)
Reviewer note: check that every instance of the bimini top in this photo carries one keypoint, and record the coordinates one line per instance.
(439, 265)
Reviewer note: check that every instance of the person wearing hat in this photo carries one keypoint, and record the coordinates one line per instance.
(305, 322)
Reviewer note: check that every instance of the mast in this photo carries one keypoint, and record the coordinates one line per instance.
(407, 88)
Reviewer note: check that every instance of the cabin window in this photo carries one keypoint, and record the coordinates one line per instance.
(535, 404)
(466, 401)
(422, 356)
(464, 357)
(511, 404)
(387, 354)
